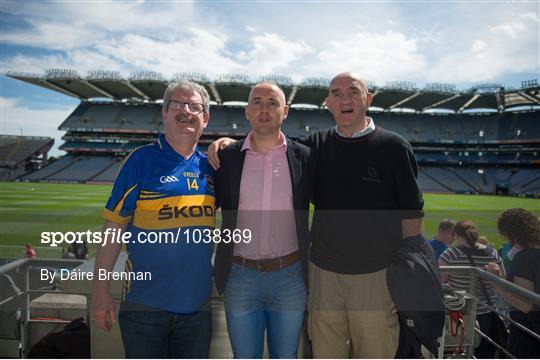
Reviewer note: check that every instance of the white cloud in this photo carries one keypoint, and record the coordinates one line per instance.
(17, 118)
(478, 45)
(271, 53)
(376, 56)
(532, 16)
(55, 36)
(82, 61)
(114, 16)
(512, 29)
(201, 51)
(416, 42)
(497, 51)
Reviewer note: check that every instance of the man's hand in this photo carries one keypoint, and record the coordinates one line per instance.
(392, 308)
(103, 309)
(214, 148)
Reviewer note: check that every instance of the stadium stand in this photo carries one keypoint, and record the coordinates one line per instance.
(109, 173)
(430, 184)
(482, 140)
(83, 168)
(20, 154)
(51, 169)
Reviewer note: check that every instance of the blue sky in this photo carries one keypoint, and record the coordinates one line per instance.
(458, 42)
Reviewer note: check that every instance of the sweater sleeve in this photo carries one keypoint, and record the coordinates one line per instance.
(408, 194)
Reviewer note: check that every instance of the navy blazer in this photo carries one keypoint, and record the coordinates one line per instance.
(228, 191)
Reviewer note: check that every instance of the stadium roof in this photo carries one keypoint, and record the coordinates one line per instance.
(311, 91)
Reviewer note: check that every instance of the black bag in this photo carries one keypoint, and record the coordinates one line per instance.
(71, 341)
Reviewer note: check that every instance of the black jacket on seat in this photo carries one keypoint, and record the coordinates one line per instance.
(415, 287)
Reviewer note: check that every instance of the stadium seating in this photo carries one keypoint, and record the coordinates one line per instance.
(146, 118)
(20, 154)
(519, 126)
(51, 169)
(15, 149)
(83, 168)
(101, 133)
(109, 174)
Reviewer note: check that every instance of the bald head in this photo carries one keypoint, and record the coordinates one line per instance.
(348, 100)
(268, 85)
(353, 77)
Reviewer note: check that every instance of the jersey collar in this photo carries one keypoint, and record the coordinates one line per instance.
(163, 145)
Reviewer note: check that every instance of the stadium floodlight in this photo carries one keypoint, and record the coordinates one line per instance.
(195, 77)
(371, 85)
(278, 79)
(147, 75)
(104, 75)
(487, 88)
(400, 85)
(440, 87)
(529, 83)
(61, 74)
(315, 82)
(233, 78)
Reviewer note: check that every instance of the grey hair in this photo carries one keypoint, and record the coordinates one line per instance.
(186, 85)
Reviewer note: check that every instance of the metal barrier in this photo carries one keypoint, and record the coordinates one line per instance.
(475, 275)
(25, 288)
(18, 275)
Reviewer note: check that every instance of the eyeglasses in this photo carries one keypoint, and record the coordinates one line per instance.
(194, 108)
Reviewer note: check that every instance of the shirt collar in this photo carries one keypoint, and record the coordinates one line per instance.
(247, 142)
(369, 128)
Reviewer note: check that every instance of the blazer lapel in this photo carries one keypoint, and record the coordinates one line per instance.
(295, 168)
(235, 173)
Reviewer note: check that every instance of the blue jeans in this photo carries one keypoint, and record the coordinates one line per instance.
(151, 333)
(255, 301)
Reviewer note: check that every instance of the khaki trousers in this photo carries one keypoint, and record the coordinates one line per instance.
(349, 315)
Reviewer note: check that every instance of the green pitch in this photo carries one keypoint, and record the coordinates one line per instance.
(27, 209)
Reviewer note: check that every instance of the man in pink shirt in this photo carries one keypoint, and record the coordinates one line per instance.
(263, 186)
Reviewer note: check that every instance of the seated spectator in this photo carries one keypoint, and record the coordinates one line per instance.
(80, 250)
(67, 252)
(521, 227)
(467, 251)
(504, 252)
(30, 252)
(444, 237)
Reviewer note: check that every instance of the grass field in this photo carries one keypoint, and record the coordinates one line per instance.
(27, 209)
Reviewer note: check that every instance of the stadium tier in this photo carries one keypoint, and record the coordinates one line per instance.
(482, 140)
(135, 118)
(20, 154)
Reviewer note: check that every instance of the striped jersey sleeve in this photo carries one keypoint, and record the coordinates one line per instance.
(122, 202)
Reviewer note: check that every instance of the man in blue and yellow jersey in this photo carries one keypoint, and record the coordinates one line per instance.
(163, 202)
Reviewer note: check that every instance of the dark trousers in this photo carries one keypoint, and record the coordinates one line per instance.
(521, 344)
(486, 350)
(161, 334)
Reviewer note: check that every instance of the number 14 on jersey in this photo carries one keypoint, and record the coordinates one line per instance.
(192, 184)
